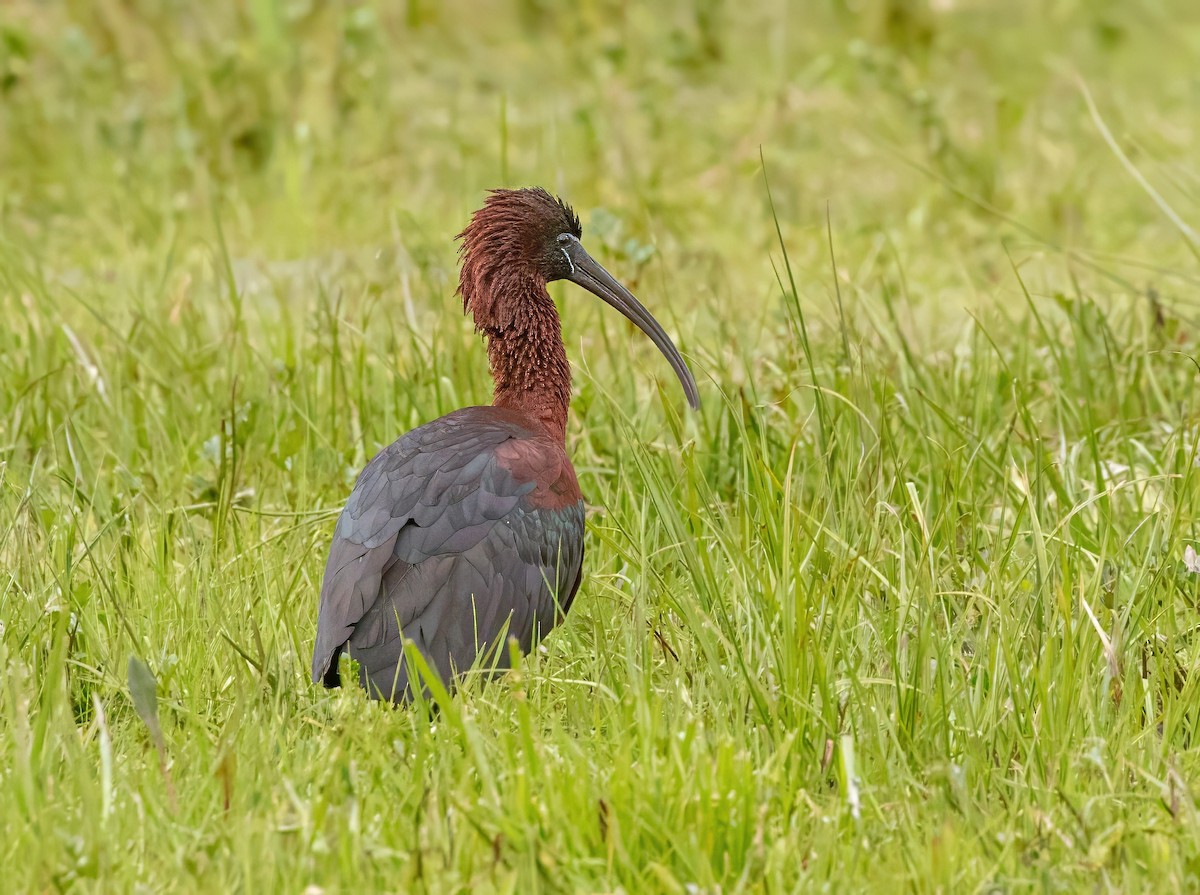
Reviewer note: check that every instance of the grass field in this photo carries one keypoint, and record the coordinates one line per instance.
(909, 606)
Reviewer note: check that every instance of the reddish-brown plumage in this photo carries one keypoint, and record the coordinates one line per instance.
(503, 287)
(543, 462)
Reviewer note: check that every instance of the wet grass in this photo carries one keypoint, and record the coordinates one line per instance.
(908, 605)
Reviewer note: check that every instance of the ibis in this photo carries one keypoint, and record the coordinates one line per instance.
(466, 534)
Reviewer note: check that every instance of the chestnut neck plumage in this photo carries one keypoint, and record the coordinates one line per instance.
(529, 366)
(530, 370)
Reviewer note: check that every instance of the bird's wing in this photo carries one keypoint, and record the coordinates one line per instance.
(437, 542)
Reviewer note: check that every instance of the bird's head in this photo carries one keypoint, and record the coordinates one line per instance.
(519, 241)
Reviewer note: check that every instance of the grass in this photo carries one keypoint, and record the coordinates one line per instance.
(906, 606)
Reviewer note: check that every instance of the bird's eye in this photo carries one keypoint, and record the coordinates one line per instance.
(564, 238)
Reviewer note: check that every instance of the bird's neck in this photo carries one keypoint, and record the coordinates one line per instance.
(529, 363)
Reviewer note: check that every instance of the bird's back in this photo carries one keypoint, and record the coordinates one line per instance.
(464, 528)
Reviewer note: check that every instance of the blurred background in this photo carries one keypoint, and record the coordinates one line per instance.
(923, 129)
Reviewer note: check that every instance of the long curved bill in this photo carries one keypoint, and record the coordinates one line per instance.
(587, 272)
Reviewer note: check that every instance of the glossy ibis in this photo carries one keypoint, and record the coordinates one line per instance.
(468, 531)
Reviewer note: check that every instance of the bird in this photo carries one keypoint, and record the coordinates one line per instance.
(467, 533)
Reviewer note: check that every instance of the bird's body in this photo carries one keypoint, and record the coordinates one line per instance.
(467, 532)
(465, 527)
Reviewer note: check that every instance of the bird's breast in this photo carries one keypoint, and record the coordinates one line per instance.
(544, 464)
